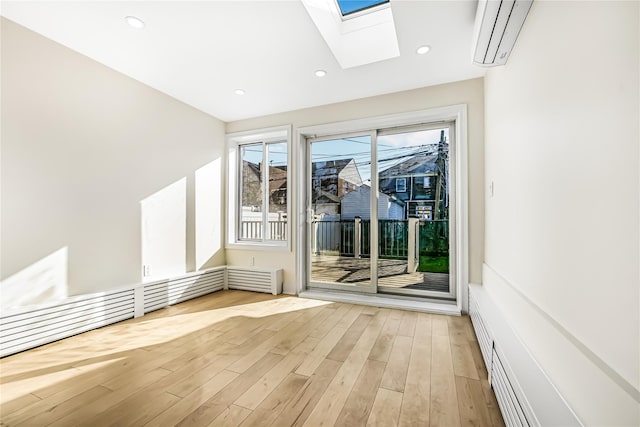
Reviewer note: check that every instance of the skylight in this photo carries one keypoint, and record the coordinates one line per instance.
(347, 7)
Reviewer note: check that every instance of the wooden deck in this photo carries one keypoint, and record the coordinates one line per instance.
(240, 358)
(391, 273)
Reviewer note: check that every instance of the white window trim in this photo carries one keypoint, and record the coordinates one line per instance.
(456, 113)
(404, 182)
(234, 141)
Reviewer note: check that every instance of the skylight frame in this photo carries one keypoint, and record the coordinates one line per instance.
(383, 4)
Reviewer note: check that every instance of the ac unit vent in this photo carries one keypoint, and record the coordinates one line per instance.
(35, 327)
(255, 279)
(168, 292)
(498, 23)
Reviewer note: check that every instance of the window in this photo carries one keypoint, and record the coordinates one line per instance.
(258, 187)
(427, 182)
(401, 185)
(348, 7)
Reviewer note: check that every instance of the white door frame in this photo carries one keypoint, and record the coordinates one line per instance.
(456, 113)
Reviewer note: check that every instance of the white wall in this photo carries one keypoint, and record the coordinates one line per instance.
(82, 147)
(468, 92)
(562, 229)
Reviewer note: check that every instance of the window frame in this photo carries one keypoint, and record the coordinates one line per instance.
(235, 142)
(404, 182)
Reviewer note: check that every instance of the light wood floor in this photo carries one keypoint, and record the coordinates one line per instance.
(240, 358)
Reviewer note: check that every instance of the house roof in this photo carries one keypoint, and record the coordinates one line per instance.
(417, 165)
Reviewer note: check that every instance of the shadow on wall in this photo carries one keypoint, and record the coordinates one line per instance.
(208, 212)
(164, 232)
(43, 281)
(164, 217)
(165, 242)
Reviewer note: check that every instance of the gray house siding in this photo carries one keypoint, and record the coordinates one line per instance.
(357, 203)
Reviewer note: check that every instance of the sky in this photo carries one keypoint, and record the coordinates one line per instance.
(392, 149)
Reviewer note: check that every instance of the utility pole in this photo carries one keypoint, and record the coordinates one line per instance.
(440, 160)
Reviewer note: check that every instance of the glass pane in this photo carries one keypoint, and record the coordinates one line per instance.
(413, 211)
(277, 160)
(252, 190)
(353, 6)
(340, 200)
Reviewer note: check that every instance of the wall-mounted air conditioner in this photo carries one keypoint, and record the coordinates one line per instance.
(498, 23)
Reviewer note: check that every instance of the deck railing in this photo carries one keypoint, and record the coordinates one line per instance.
(252, 230)
(339, 238)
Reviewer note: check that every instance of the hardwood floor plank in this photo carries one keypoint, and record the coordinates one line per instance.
(408, 324)
(271, 407)
(332, 401)
(323, 329)
(342, 349)
(231, 417)
(443, 407)
(350, 316)
(263, 348)
(463, 363)
(193, 400)
(492, 404)
(386, 408)
(97, 370)
(300, 406)
(439, 325)
(214, 406)
(137, 411)
(269, 381)
(473, 411)
(395, 374)
(88, 411)
(320, 352)
(457, 326)
(417, 390)
(18, 403)
(423, 327)
(56, 412)
(307, 325)
(382, 348)
(478, 361)
(360, 401)
(67, 391)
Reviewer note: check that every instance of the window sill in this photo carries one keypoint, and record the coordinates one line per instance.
(255, 246)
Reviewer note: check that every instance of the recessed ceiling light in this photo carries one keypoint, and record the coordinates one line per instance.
(321, 73)
(423, 49)
(239, 92)
(134, 22)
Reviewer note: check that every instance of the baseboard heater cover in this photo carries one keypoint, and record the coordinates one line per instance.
(485, 339)
(525, 395)
(164, 293)
(32, 327)
(29, 327)
(255, 279)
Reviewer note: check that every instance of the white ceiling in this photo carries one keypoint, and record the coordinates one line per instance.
(201, 51)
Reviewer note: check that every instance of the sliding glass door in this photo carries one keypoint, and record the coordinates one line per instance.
(415, 249)
(380, 211)
(340, 213)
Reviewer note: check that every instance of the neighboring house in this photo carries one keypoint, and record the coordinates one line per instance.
(252, 189)
(357, 203)
(419, 182)
(330, 181)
